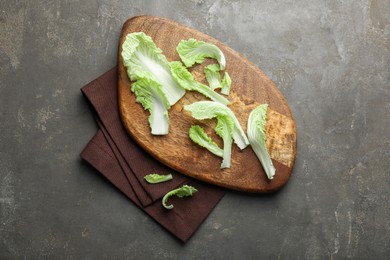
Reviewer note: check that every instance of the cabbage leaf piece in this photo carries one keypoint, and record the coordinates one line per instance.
(143, 59)
(226, 84)
(150, 95)
(183, 191)
(224, 129)
(192, 51)
(154, 178)
(198, 136)
(185, 79)
(257, 138)
(208, 109)
(213, 76)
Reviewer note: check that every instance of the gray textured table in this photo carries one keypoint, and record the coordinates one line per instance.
(331, 60)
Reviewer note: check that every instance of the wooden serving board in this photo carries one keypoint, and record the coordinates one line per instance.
(250, 87)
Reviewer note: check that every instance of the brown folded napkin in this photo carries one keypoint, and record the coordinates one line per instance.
(115, 155)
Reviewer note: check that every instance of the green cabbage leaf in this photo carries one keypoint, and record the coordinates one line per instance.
(143, 59)
(213, 76)
(192, 51)
(154, 178)
(184, 191)
(224, 129)
(198, 136)
(257, 138)
(150, 95)
(226, 84)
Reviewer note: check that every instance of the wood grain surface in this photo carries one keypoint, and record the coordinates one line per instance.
(250, 87)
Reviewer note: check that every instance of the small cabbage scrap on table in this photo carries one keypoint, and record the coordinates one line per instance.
(154, 178)
(183, 191)
(257, 138)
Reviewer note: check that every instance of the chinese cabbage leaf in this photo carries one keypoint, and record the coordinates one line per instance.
(183, 191)
(257, 138)
(150, 95)
(192, 51)
(198, 135)
(143, 59)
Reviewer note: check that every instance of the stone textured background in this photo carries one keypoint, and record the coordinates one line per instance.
(331, 60)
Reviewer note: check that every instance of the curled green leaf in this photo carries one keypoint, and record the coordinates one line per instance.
(184, 191)
(192, 51)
